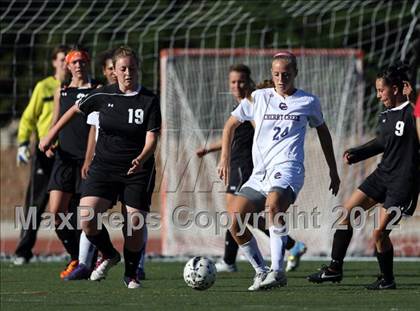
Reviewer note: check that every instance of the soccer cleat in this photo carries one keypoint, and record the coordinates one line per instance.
(381, 284)
(19, 261)
(258, 278)
(325, 274)
(141, 275)
(80, 273)
(296, 253)
(274, 279)
(103, 266)
(69, 269)
(222, 266)
(131, 283)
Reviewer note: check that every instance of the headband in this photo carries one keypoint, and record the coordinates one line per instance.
(74, 55)
(285, 53)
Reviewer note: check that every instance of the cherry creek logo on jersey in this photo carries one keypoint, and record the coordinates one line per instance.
(281, 117)
(277, 175)
(283, 106)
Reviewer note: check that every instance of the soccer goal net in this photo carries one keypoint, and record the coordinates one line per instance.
(196, 103)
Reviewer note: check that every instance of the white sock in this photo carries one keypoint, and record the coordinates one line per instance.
(253, 254)
(278, 240)
(86, 251)
(143, 250)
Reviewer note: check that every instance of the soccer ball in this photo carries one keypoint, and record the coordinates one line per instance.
(200, 273)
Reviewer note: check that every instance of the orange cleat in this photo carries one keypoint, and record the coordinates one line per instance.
(69, 268)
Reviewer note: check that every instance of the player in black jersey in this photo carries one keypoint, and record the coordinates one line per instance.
(393, 183)
(123, 166)
(87, 251)
(65, 180)
(241, 86)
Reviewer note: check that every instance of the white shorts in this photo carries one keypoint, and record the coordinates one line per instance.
(278, 178)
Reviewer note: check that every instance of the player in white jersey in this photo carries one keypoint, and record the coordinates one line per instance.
(280, 115)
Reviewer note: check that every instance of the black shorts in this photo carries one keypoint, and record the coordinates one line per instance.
(132, 190)
(66, 175)
(237, 177)
(402, 194)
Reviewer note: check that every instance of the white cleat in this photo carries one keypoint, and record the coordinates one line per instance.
(131, 283)
(103, 266)
(258, 279)
(296, 253)
(20, 261)
(274, 279)
(222, 266)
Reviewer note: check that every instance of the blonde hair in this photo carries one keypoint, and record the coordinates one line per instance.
(288, 57)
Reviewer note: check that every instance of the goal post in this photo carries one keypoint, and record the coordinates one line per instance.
(195, 104)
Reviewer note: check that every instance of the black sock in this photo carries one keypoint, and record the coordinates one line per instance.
(70, 239)
(103, 243)
(131, 260)
(341, 242)
(386, 264)
(231, 249)
(290, 242)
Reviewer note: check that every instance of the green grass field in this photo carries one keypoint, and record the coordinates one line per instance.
(38, 287)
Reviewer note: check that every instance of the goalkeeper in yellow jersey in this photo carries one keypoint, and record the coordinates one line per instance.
(36, 120)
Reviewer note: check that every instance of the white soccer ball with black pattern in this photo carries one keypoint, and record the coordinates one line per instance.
(200, 273)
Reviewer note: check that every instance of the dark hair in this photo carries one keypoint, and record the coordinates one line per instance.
(124, 51)
(241, 68)
(59, 49)
(396, 74)
(104, 56)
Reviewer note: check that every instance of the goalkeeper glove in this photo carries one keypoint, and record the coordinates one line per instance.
(23, 154)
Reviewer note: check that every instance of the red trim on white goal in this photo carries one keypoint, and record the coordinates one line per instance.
(263, 52)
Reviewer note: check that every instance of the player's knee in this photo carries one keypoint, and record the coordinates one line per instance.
(379, 236)
(273, 209)
(135, 220)
(88, 226)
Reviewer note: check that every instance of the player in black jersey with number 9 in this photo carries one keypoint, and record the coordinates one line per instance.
(123, 166)
(394, 182)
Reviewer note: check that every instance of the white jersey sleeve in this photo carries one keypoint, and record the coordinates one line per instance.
(93, 119)
(244, 111)
(315, 118)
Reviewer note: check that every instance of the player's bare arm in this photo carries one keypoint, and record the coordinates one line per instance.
(46, 142)
(228, 131)
(328, 149)
(90, 150)
(213, 147)
(146, 153)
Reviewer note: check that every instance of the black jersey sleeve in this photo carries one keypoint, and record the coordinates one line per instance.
(155, 119)
(363, 152)
(91, 102)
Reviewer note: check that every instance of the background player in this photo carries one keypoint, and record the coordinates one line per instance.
(241, 86)
(36, 119)
(393, 183)
(278, 159)
(123, 165)
(65, 181)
